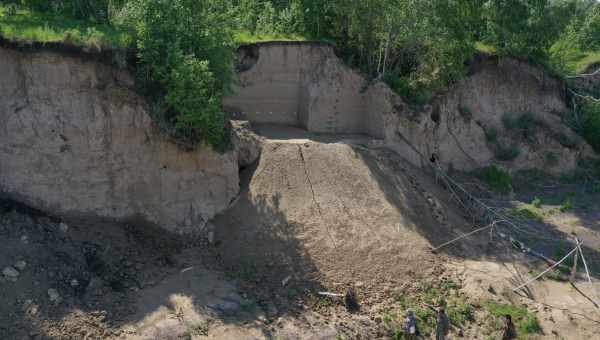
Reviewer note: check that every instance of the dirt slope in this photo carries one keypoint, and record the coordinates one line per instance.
(331, 209)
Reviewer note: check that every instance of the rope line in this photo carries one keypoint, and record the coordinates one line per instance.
(547, 270)
(464, 235)
(587, 273)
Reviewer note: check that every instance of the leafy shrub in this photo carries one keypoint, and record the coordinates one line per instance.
(591, 126)
(566, 206)
(92, 10)
(526, 322)
(498, 179)
(536, 202)
(590, 30)
(185, 52)
(526, 213)
(194, 94)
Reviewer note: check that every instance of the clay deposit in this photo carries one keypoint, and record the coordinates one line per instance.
(75, 140)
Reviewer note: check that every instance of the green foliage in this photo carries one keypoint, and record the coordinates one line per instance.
(578, 45)
(526, 212)
(590, 114)
(525, 28)
(497, 179)
(445, 292)
(526, 322)
(536, 202)
(589, 33)
(391, 40)
(193, 92)
(23, 24)
(99, 11)
(566, 206)
(185, 55)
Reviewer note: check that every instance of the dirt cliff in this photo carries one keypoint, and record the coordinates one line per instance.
(506, 111)
(301, 84)
(75, 140)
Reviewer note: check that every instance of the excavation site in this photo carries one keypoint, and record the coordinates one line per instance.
(337, 207)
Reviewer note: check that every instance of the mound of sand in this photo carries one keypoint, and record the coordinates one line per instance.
(334, 211)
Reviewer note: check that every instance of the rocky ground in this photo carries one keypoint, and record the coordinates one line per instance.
(315, 214)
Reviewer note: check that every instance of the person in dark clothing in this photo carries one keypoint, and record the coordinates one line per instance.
(510, 332)
(443, 324)
(411, 332)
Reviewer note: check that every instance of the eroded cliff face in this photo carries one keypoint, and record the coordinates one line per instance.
(75, 140)
(505, 111)
(301, 84)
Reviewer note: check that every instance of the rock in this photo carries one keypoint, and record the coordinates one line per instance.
(54, 295)
(24, 239)
(21, 265)
(10, 273)
(74, 283)
(247, 143)
(63, 227)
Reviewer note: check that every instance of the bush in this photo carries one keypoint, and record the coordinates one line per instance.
(526, 322)
(92, 10)
(591, 126)
(590, 30)
(566, 206)
(185, 53)
(498, 179)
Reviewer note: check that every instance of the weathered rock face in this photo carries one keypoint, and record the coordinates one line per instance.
(306, 85)
(75, 140)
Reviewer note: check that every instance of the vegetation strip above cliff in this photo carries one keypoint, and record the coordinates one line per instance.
(185, 48)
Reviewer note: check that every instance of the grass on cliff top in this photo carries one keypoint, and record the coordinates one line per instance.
(25, 25)
(246, 37)
(588, 59)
